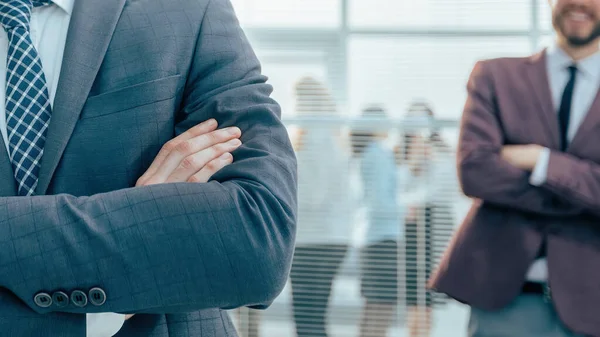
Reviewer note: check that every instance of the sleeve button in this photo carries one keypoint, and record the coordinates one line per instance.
(79, 298)
(43, 300)
(60, 299)
(97, 296)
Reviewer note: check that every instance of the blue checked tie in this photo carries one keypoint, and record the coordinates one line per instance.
(28, 108)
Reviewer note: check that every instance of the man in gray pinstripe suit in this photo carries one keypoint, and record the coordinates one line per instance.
(116, 221)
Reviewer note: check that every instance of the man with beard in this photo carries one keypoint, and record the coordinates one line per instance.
(526, 257)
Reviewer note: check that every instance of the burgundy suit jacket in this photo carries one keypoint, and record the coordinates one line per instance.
(485, 266)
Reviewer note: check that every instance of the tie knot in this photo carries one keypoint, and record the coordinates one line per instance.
(17, 13)
(572, 70)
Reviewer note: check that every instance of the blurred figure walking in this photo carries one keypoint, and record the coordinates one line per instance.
(379, 258)
(325, 212)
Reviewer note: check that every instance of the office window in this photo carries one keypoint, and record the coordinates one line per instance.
(288, 13)
(546, 41)
(394, 71)
(283, 76)
(544, 15)
(300, 38)
(467, 14)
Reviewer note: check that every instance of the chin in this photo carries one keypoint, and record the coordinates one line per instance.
(581, 37)
(579, 41)
(582, 32)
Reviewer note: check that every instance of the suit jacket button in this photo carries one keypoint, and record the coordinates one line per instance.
(79, 298)
(43, 300)
(97, 296)
(60, 299)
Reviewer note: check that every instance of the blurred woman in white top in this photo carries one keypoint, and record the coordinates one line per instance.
(325, 212)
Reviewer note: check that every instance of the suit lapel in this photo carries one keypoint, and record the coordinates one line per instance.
(589, 123)
(92, 25)
(537, 75)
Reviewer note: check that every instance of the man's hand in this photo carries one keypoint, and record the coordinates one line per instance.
(522, 156)
(193, 156)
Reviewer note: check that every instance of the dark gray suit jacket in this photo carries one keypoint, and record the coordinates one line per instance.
(135, 74)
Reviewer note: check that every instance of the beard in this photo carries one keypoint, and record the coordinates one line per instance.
(572, 39)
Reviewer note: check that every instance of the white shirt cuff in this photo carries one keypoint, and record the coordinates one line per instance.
(538, 272)
(103, 324)
(540, 171)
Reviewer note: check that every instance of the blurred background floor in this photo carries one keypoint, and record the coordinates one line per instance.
(346, 305)
(450, 320)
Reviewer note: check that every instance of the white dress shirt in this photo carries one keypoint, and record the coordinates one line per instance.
(49, 26)
(587, 82)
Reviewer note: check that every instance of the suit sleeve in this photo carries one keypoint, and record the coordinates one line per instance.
(482, 173)
(574, 180)
(174, 247)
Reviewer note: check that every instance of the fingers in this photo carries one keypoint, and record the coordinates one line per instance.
(185, 155)
(211, 168)
(206, 161)
(200, 129)
(177, 156)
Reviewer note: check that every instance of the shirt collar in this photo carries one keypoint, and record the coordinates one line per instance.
(559, 59)
(66, 5)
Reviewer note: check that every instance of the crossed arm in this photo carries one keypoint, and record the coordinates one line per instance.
(501, 175)
(565, 176)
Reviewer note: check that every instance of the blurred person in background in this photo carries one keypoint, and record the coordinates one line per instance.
(379, 257)
(526, 257)
(325, 219)
(427, 197)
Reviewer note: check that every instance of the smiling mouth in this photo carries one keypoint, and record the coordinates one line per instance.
(577, 16)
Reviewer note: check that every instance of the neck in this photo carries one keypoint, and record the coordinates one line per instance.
(579, 52)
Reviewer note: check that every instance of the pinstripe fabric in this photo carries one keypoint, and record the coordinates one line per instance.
(177, 255)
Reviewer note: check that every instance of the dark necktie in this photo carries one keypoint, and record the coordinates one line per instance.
(27, 101)
(564, 113)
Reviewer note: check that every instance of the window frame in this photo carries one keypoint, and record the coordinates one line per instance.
(333, 42)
